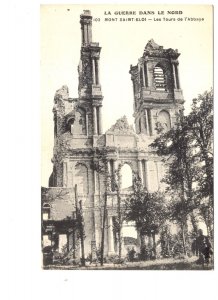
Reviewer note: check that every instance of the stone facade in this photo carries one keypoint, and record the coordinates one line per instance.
(85, 157)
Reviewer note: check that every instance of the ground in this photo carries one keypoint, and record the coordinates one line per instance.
(160, 264)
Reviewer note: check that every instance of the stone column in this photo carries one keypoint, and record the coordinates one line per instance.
(143, 75)
(82, 34)
(89, 33)
(143, 124)
(115, 177)
(115, 162)
(177, 76)
(94, 121)
(93, 71)
(95, 181)
(100, 119)
(147, 176)
(65, 174)
(93, 239)
(87, 124)
(109, 176)
(110, 236)
(98, 229)
(85, 33)
(148, 76)
(97, 71)
(109, 167)
(146, 73)
(140, 170)
(174, 76)
(150, 122)
(147, 124)
(134, 89)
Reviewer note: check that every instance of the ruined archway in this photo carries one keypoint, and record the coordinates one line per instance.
(79, 124)
(164, 120)
(126, 176)
(81, 179)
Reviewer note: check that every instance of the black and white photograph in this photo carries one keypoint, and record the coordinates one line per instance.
(126, 137)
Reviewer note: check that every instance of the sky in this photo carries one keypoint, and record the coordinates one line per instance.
(122, 44)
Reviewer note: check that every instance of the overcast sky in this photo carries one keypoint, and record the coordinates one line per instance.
(122, 44)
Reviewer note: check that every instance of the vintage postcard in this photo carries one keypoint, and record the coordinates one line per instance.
(127, 137)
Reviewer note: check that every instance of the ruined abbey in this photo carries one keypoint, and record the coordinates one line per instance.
(85, 159)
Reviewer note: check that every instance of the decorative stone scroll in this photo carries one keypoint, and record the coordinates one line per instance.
(121, 126)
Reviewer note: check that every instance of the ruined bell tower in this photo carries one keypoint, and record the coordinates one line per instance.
(157, 90)
(90, 95)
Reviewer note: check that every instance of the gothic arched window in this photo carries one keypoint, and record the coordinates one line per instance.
(159, 79)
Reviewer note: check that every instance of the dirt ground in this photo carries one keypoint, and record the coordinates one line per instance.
(160, 264)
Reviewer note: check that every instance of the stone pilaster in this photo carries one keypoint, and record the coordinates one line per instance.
(65, 177)
(143, 124)
(89, 32)
(146, 73)
(177, 76)
(174, 76)
(93, 71)
(147, 184)
(94, 120)
(97, 71)
(151, 127)
(100, 119)
(85, 34)
(147, 124)
(140, 171)
(87, 124)
(143, 75)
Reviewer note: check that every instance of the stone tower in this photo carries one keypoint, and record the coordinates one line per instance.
(90, 96)
(77, 131)
(157, 91)
(78, 121)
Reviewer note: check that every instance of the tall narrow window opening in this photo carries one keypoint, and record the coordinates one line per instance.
(159, 79)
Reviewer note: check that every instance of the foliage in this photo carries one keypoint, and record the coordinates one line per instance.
(144, 208)
(187, 151)
(200, 122)
(147, 210)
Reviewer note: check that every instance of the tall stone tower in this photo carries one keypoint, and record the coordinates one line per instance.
(78, 121)
(77, 131)
(157, 91)
(90, 96)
